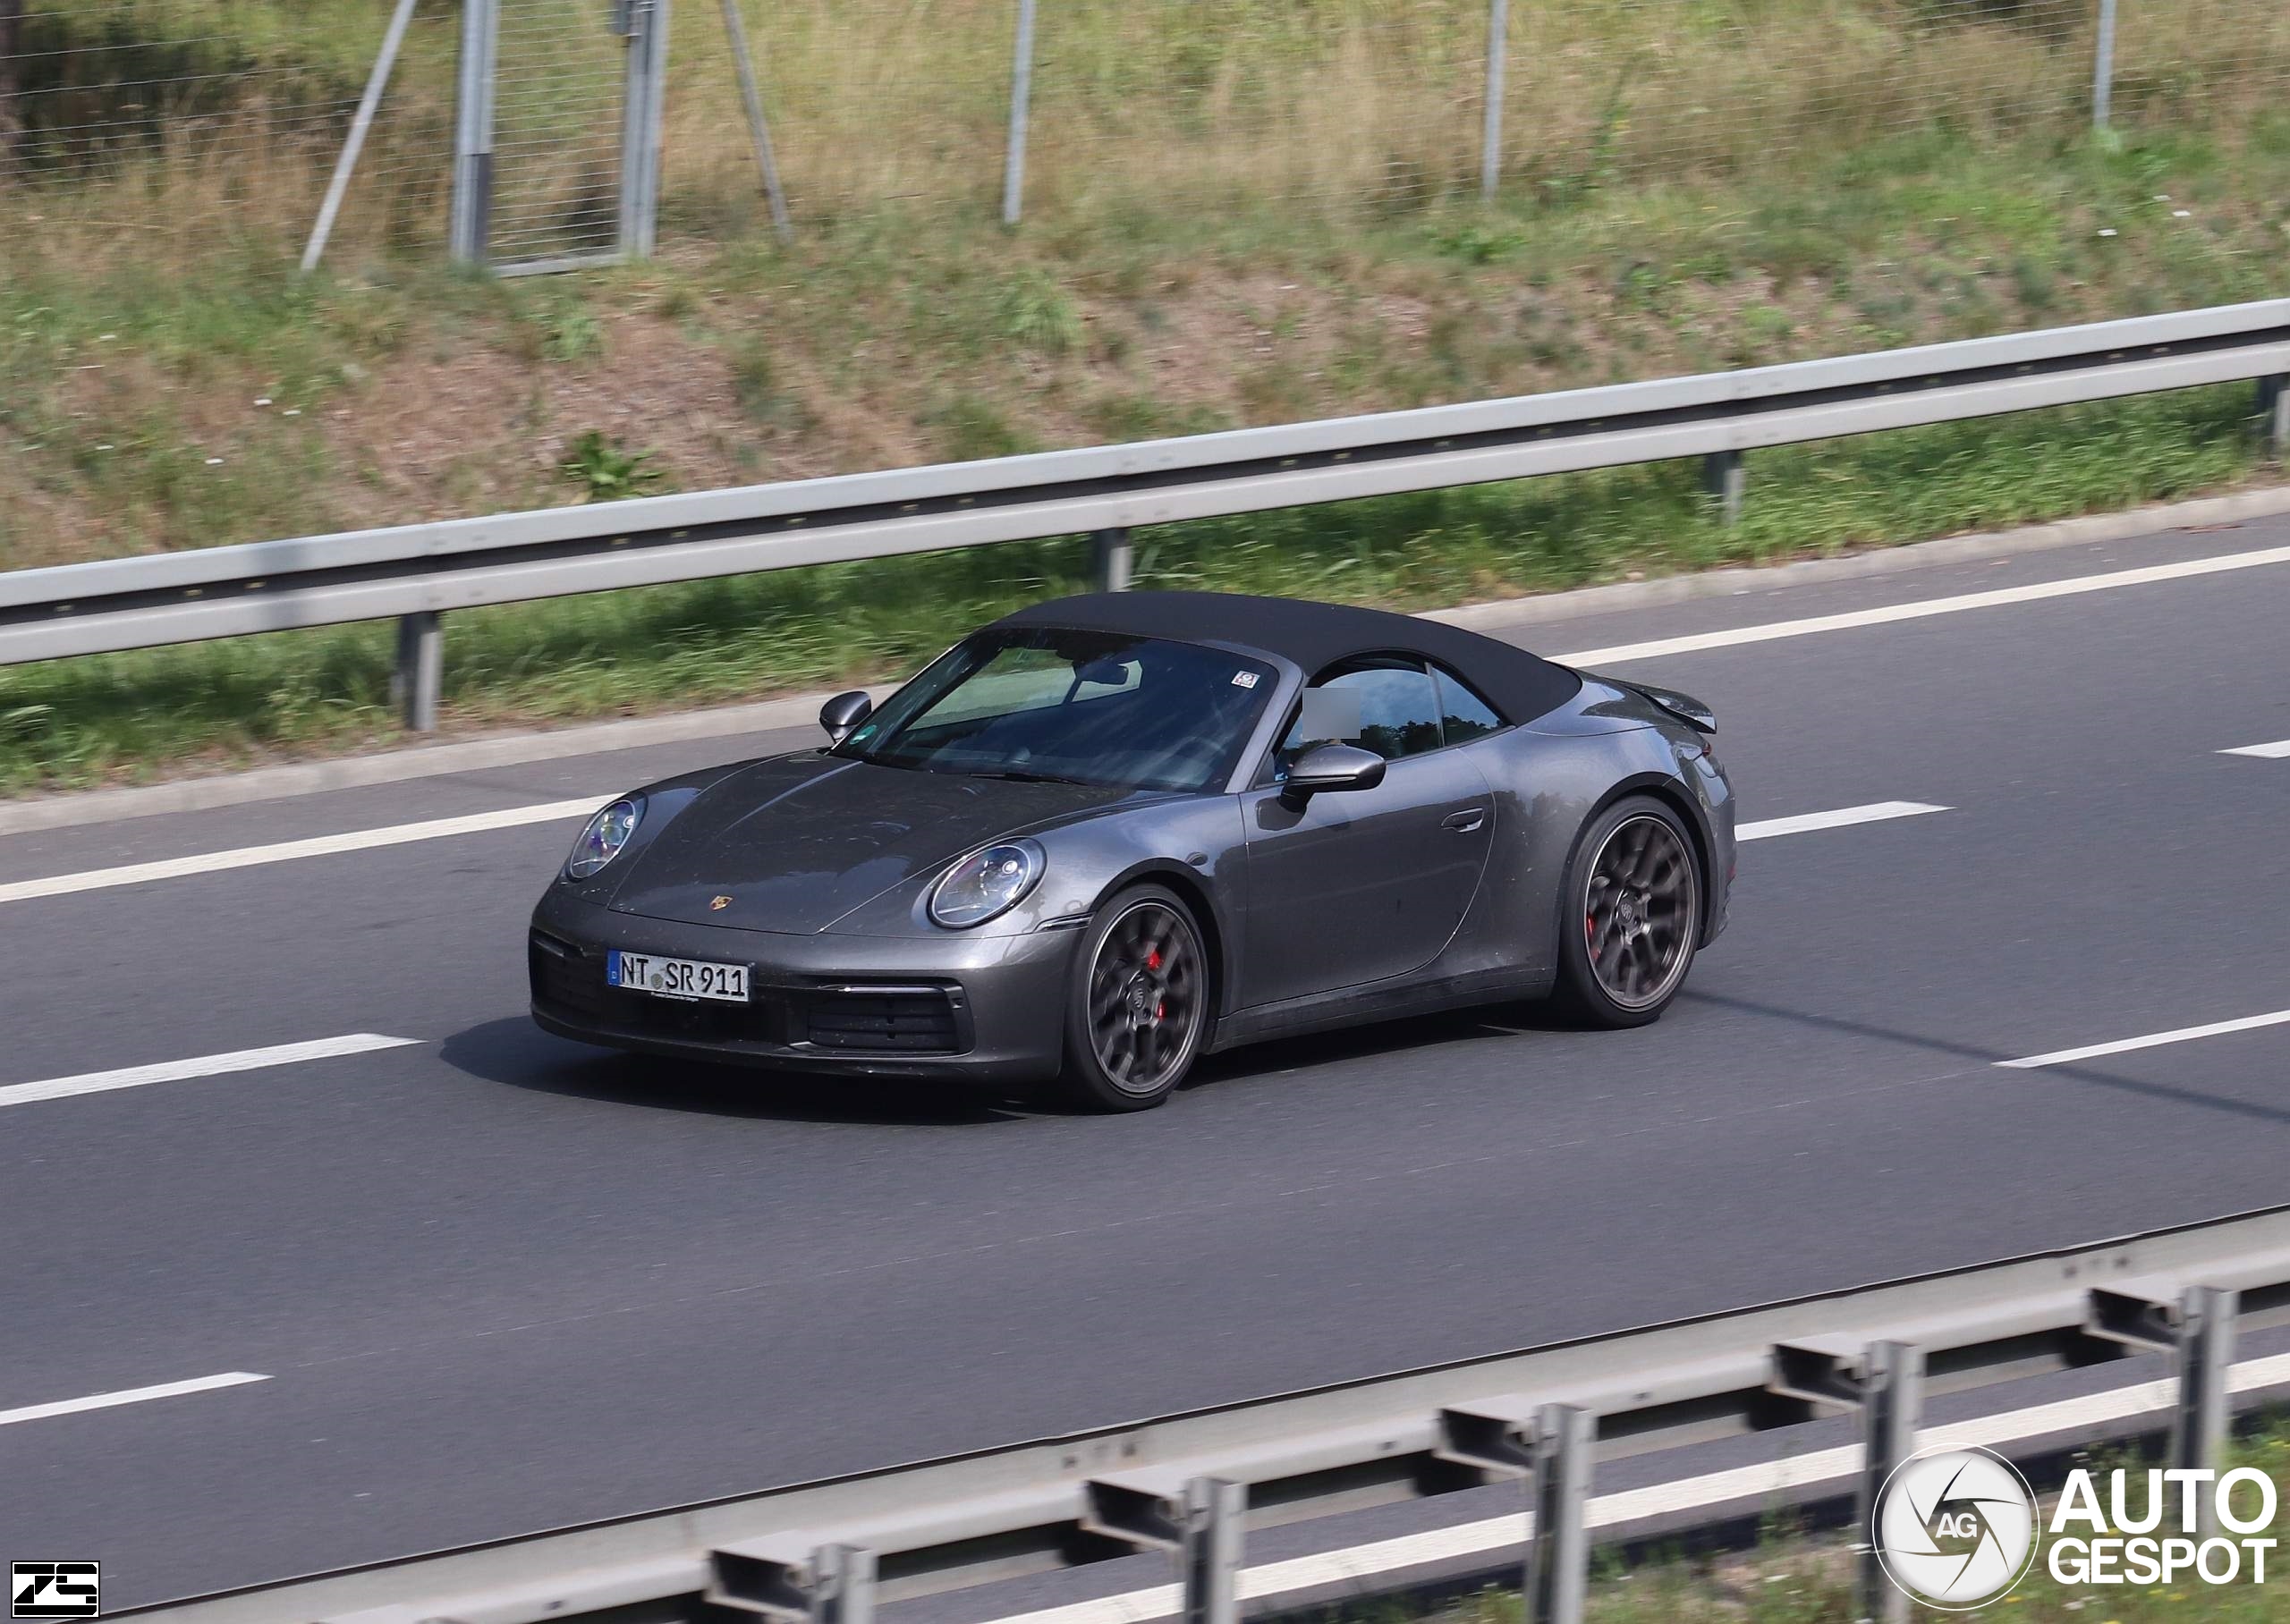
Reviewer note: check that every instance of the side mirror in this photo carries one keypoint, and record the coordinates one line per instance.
(844, 712)
(1332, 766)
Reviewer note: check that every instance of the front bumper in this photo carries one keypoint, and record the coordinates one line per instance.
(990, 1008)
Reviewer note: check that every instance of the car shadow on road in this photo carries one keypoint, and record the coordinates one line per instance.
(515, 1052)
(1405, 1034)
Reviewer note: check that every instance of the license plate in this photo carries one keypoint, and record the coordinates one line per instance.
(690, 979)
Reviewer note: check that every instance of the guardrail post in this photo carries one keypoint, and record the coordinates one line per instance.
(1559, 1552)
(1892, 1398)
(1213, 1510)
(1021, 85)
(842, 1584)
(2274, 406)
(472, 220)
(1113, 559)
(420, 674)
(2206, 1316)
(1724, 479)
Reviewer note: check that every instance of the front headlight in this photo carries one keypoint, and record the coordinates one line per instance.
(986, 884)
(605, 837)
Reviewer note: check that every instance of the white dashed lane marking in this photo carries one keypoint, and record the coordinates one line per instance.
(324, 845)
(130, 1395)
(205, 1065)
(2154, 1040)
(1875, 812)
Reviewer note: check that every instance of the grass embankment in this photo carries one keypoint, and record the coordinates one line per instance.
(1242, 222)
(1794, 1579)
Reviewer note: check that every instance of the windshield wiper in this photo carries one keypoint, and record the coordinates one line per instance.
(1019, 776)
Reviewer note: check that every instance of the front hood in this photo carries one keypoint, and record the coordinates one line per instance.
(798, 841)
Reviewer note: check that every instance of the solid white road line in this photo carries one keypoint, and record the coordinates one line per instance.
(207, 1065)
(131, 1395)
(1922, 610)
(325, 845)
(510, 817)
(1630, 1505)
(1875, 812)
(2153, 1041)
(2277, 751)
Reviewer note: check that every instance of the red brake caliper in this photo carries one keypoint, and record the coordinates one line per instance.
(1590, 933)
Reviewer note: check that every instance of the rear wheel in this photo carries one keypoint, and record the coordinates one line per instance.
(1139, 1007)
(1632, 912)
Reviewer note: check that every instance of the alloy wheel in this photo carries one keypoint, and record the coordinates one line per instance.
(1638, 915)
(1145, 997)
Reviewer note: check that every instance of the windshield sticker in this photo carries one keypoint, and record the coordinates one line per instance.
(1244, 678)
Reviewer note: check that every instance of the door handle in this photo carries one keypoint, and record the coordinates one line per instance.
(1465, 821)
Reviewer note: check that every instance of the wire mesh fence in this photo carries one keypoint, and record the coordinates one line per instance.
(223, 110)
(556, 131)
(182, 116)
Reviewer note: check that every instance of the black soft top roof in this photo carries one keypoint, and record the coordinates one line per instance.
(1316, 635)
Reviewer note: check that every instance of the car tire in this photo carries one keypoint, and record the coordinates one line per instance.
(1631, 915)
(1138, 1010)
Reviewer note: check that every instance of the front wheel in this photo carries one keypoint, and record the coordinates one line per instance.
(1139, 1007)
(1632, 914)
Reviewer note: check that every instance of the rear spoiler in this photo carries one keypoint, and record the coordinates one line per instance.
(1685, 707)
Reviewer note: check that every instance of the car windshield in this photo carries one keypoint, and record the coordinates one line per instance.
(1081, 707)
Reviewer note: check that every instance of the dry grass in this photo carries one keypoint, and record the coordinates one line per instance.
(1346, 108)
(1247, 212)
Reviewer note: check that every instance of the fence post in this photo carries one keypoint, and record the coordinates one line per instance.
(2274, 407)
(384, 61)
(1213, 1513)
(1490, 151)
(2103, 66)
(472, 222)
(1113, 559)
(419, 674)
(1725, 480)
(641, 108)
(1892, 1398)
(735, 26)
(2206, 1316)
(1558, 1548)
(1021, 85)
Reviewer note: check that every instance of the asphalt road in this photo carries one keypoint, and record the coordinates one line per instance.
(496, 1282)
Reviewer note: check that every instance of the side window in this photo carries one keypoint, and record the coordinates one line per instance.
(1462, 713)
(1389, 706)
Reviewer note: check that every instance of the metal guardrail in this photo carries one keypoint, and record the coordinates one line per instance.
(418, 572)
(821, 1552)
